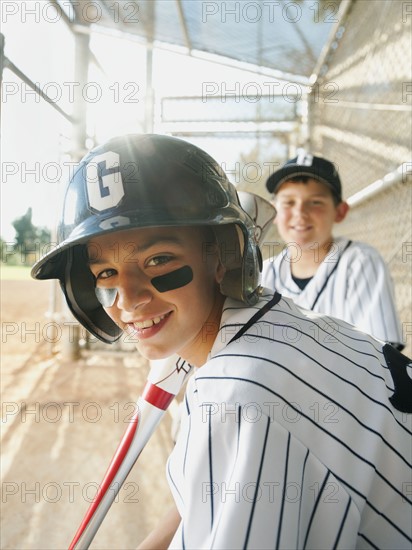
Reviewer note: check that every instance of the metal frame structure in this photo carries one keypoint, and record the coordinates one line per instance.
(294, 132)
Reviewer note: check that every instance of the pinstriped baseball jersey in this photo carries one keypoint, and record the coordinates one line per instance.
(289, 437)
(352, 283)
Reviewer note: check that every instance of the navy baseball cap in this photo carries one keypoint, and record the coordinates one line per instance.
(306, 164)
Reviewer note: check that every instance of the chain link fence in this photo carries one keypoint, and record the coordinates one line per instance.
(361, 119)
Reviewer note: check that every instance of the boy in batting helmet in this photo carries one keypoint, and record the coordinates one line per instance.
(295, 431)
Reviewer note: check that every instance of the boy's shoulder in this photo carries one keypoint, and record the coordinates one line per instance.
(355, 246)
(341, 245)
(280, 312)
(277, 331)
(277, 325)
(314, 349)
(359, 255)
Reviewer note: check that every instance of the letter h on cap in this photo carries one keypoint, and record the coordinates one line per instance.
(304, 159)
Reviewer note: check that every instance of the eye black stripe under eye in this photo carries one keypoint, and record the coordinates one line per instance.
(163, 283)
(173, 280)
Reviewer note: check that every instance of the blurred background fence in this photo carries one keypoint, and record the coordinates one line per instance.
(360, 117)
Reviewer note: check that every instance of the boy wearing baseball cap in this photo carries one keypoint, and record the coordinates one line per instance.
(337, 276)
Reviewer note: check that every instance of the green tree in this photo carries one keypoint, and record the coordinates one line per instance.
(29, 238)
(25, 230)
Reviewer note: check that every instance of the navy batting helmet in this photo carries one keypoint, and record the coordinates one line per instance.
(145, 181)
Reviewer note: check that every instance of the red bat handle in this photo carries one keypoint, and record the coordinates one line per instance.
(109, 476)
(160, 399)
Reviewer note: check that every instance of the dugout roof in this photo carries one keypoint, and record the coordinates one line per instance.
(286, 37)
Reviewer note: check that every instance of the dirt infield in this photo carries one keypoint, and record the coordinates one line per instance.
(61, 423)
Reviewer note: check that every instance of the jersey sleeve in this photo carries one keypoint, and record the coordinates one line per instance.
(369, 298)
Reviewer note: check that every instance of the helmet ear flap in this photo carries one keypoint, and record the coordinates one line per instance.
(230, 241)
(240, 259)
(79, 288)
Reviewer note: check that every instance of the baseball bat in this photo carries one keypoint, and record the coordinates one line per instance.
(163, 384)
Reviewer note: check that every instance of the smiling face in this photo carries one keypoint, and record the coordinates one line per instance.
(160, 285)
(306, 213)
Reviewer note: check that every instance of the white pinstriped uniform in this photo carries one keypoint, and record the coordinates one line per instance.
(289, 440)
(352, 283)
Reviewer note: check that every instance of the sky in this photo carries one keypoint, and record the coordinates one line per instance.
(36, 140)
